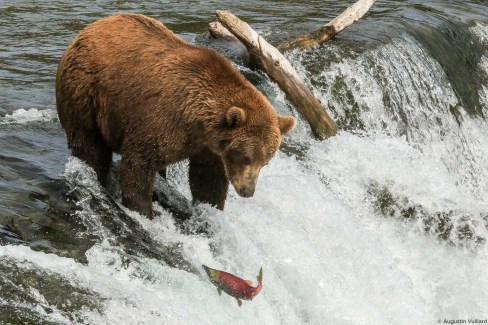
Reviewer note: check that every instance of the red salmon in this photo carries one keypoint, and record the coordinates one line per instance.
(233, 285)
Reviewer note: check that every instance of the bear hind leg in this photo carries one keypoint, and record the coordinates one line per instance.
(91, 148)
(208, 182)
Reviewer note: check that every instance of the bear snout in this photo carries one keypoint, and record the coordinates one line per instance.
(246, 191)
(245, 182)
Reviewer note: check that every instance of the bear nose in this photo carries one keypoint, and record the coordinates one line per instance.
(246, 191)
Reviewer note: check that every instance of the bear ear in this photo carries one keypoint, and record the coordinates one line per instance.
(286, 123)
(235, 117)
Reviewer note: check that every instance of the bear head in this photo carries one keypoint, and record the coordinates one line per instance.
(253, 139)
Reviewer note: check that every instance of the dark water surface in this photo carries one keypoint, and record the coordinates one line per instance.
(393, 211)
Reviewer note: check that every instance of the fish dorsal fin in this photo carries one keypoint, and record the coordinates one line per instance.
(248, 282)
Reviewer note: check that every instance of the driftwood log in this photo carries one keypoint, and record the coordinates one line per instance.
(269, 59)
(218, 31)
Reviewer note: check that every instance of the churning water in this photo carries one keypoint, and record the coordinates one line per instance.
(386, 223)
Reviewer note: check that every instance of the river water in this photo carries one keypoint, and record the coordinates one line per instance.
(386, 223)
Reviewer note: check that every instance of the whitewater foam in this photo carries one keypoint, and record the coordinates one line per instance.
(22, 116)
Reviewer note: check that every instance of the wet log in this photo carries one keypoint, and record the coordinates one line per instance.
(217, 30)
(327, 32)
(281, 71)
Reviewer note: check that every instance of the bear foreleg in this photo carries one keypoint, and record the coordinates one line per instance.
(136, 184)
(208, 182)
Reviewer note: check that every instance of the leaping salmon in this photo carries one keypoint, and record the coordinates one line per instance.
(233, 285)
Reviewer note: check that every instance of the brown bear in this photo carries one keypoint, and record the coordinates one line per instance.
(127, 84)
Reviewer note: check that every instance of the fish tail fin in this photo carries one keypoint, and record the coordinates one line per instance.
(260, 275)
(212, 274)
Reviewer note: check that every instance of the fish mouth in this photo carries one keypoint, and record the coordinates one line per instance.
(207, 269)
(212, 274)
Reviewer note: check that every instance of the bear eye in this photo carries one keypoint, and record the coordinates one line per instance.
(246, 160)
(237, 157)
(224, 143)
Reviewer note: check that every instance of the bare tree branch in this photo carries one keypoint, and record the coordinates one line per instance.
(325, 33)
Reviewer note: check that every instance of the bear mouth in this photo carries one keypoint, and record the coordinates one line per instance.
(245, 191)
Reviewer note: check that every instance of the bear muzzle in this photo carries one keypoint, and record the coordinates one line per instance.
(246, 191)
(246, 184)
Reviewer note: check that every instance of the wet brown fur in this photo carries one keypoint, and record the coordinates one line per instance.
(127, 84)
